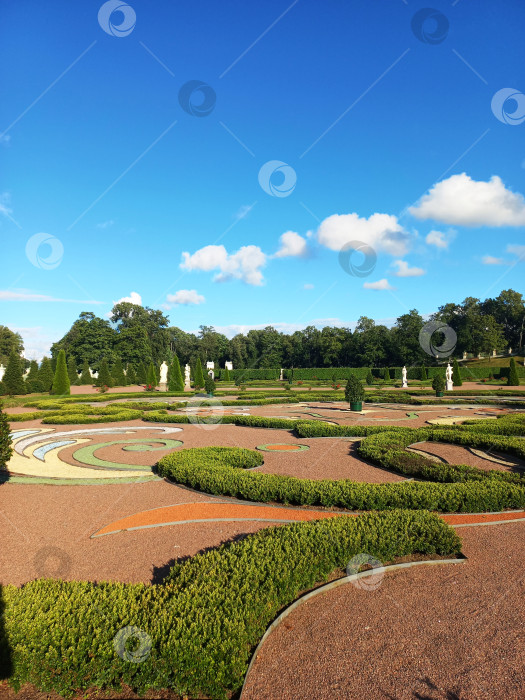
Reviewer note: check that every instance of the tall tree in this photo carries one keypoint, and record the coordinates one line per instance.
(85, 377)
(131, 377)
(61, 385)
(33, 372)
(6, 449)
(151, 378)
(13, 379)
(117, 373)
(175, 380)
(46, 374)
(72, 370)
(104, 375)
(198, 376)
(513, 379)
(154, 322)
(89, 338)
(9, 341)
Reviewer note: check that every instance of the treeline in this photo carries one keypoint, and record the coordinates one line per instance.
(138, 336)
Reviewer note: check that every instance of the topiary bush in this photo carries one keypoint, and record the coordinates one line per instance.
(6, 449)
(175, 380)
(438, 384)
(61, 381)
(456, 374)
(198, 376)
(354, 390)
(209, 385)
(513, 379)
(13, 379)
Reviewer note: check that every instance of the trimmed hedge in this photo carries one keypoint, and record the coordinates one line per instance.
(202, 623)
(84, 418)
(196, 471)
(250, 421)
(6, 449)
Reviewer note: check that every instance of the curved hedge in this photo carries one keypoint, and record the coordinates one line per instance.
(205, 620)
(221, 477)
(84, 418)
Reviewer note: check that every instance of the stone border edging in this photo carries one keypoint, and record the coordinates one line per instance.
(328, 587)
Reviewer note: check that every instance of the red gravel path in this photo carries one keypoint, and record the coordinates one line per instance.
(451, 632)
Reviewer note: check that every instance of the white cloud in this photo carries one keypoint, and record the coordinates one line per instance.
(490, 260)
(308, 286)
(382, 232)
(184, 297)
(37, 341)
(463, 201)
(404, 270)
(440, 239)
(26, 295)
(380, 284)
(518, 250)
(243, 265)
(134, 298)
(292, 245)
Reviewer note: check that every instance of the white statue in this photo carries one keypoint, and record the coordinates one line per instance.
(187, 370)
(228, 365)
(404, 375)
(163, 373)
(210, 365)
(2, 372)
(448, 374)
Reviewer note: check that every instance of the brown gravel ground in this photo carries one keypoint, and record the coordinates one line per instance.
(451, 632)
(454, 454)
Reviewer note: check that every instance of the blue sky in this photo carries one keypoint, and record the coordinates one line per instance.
(98, 152)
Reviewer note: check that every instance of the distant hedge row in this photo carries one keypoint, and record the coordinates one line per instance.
(328, 373)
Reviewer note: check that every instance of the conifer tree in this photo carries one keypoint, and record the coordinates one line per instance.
(72, 370)
(61, 384)
(198, 376)
(456, 374)
(175, 380)
(5, 440)
(513, 379)
(141, 373)
(33, 372)
(151, 378)
(85, 377)
(130, 375)
(424, 375)
(13, 378)
(46, 374)
(117, 373)
(226, 375)
(104, 376)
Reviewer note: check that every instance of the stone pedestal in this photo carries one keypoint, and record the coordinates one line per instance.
(404, 385)
(163, 386)
(450, 385)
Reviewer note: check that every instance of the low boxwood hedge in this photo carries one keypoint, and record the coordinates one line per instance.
(199, 627)
(85, 418)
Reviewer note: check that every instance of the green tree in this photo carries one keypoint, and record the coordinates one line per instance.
(154, 322)
(33, 372)
(209, 385)
(198, 376)
(423, 374)
(369, 377)
(175, 380)
(72, 370)
(354, 390)
(513, 379)
(6, 449)
(141, 373)
(9, 341)
(13, 378)
(104, 376)
(438, 383)
(456, 374)
(85, 377)
(151, 377)
(117, 373)
(90, 338)
(46, 374)
(131, 377)
(226, 375)
(61, 385)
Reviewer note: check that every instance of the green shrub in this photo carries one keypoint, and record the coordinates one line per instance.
(35, 387)
(5, 441)
(206, 619)
(72, 370)
(117, 373)
(13, 379)
(369, 377)
(438, 383)
(513, 379)
(354, 390)
(33, 372)
(456, 374)
(85, 377)
(225, 375)
(198, 376)
(151, 378)
(61, 381)
(73, 418)
(45, 374)
(131, 377)
(209, 385)
(175, 380)
(104, 377)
